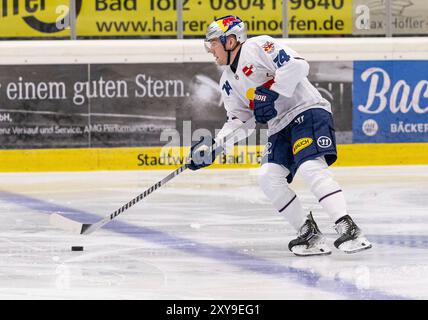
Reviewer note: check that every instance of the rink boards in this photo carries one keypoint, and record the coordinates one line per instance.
(146, 158)
(93, 105)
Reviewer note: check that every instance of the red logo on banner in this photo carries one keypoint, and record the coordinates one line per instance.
(248, 70)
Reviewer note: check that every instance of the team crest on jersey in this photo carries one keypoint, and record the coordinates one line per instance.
(268, 47)
(248, 70)
(301, 144)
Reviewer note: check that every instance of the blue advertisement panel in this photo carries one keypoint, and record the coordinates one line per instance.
(390, 101)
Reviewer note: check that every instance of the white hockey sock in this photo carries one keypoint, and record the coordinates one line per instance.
(328, 192)
(293, 213)
(272, 179)
(335, 205)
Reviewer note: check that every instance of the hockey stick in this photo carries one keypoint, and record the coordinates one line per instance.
(76, 227)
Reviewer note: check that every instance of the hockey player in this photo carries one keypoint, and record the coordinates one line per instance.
(267, 79)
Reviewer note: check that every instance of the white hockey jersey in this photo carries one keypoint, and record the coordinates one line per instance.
(263, 58)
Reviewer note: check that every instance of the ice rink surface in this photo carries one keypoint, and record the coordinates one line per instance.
(209, 234)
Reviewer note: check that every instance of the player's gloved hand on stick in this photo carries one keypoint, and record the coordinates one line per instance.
(201, 153)
(264, 104)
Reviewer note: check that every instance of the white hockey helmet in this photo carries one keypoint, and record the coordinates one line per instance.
(223, 27)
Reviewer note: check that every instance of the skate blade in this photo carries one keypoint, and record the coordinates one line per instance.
(303, 251)
(354, 246)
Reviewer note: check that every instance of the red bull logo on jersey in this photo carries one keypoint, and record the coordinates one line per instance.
(301, 144)
(250, 96)
(227, 23)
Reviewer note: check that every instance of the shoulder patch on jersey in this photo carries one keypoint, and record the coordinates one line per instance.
(268, 47)
(301, 144)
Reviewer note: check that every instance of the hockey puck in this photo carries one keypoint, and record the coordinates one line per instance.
(77, 248)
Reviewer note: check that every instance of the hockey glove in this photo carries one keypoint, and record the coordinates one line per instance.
(264, 104)
(202, 155)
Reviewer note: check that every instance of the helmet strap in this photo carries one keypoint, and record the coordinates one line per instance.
(229, 52)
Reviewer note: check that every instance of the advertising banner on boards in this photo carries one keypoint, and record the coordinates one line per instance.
(125, 105)
(113, 18)
(409, 17)
(390, 101)
(130, 18)
(35, 18)
(60, 106)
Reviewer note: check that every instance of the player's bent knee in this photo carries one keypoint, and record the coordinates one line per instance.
(314, 169)
(318, 176)
(272, 177)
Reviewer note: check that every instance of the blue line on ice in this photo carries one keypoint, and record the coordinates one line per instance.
(227, 256)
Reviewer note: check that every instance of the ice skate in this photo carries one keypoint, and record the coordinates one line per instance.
(310, 241)
(351, 238)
